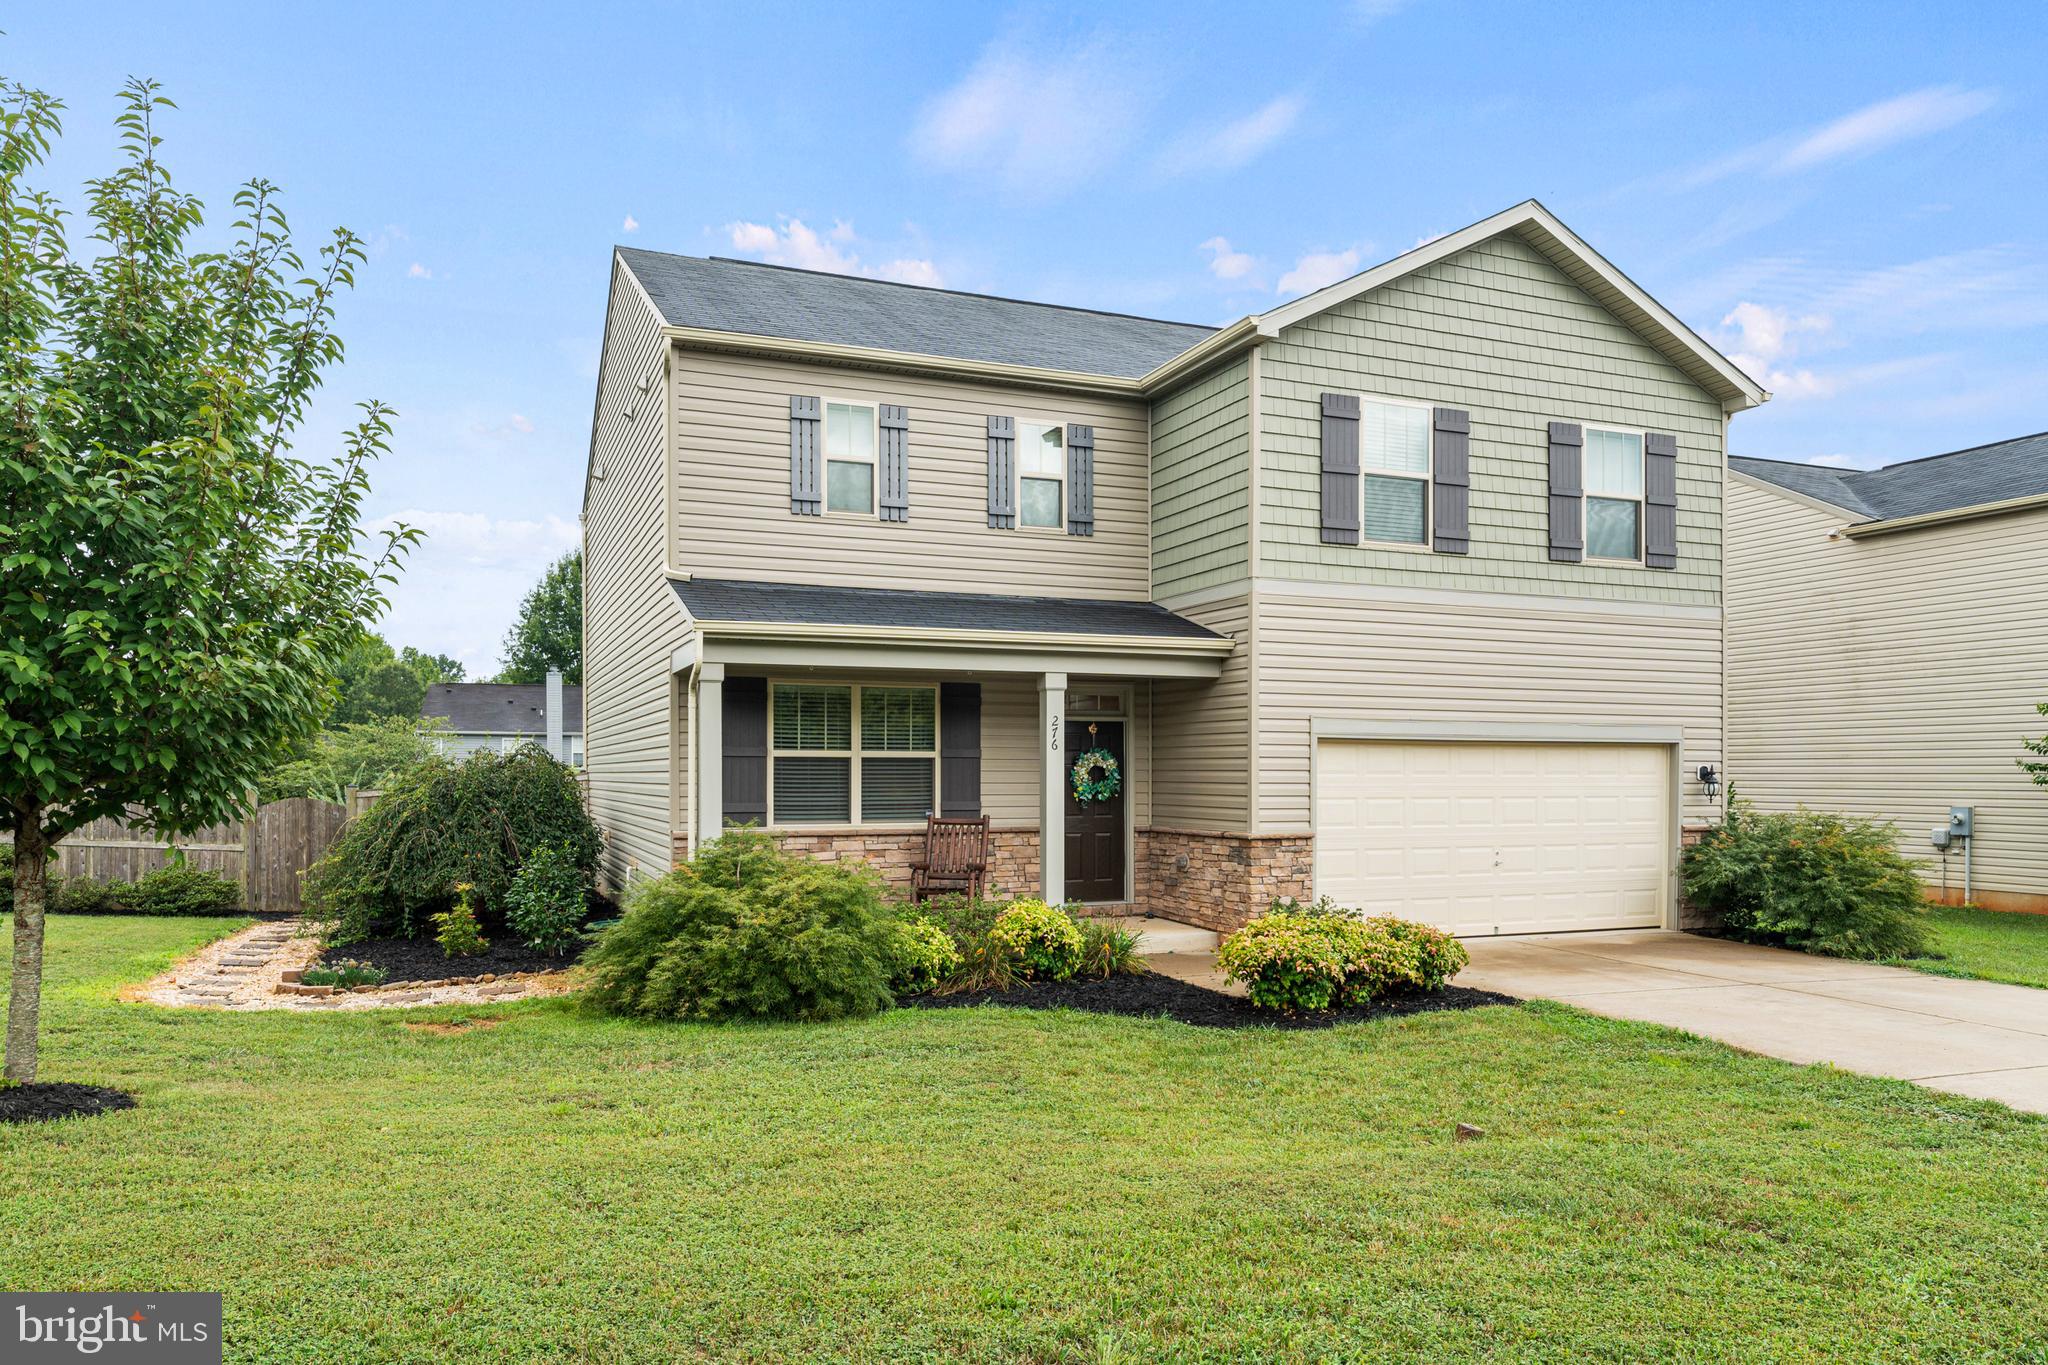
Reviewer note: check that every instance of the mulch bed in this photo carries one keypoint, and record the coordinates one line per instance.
(1152, 996)
(45, 1100)
(421, 959)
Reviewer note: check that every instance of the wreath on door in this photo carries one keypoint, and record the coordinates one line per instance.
(1096, 777)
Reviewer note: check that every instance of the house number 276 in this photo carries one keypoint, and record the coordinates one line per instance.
(1055, 745)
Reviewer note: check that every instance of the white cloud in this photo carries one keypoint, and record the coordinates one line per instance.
(1042, 118)
(1890, 121)
(631, 224)
(1372, 11)
(1226, 264)
(419, 272)
(1235, 143)
(796, 244)
(522, 423)
(1313, 271)
(461, 585)
(1761, 339)
(1872, 128)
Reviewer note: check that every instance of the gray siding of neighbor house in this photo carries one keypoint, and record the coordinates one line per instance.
(1201, 487)
(631, 622)
(731, 490)
(1893, 676)
(1500, 332)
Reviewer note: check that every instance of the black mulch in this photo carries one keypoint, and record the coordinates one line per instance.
(421, 959)
(1154, 996)
(44, 1100)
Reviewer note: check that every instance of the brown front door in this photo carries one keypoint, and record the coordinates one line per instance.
(1095, 829)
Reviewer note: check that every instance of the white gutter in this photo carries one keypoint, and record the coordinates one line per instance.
(967, 639)
(1982, 509)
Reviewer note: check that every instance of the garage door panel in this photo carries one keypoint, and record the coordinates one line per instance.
(1495, 838)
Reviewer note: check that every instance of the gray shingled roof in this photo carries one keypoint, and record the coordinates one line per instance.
(805, 305)
(1938, 483)
(501, 708)
(714, 599)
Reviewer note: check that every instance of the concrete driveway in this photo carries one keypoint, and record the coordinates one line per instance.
(1970, 1037)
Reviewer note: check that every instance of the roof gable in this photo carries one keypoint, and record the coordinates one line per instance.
(1585, 267)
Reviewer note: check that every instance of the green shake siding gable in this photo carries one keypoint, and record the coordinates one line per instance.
(1499, 331)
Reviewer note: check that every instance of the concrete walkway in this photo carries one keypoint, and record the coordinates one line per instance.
(1968, 1037)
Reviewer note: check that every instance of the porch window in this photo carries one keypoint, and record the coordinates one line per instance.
(853, 755)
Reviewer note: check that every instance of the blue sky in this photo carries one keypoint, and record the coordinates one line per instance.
(1852, 200)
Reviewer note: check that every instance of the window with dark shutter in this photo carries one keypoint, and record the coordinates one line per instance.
(1660, 501)
(1452, 466)
(1080, 480)
(895, 460)
(744, 778)
(960, 749)
(1567, 487)
(1002, 473)
(804, 499)
(1340, 469)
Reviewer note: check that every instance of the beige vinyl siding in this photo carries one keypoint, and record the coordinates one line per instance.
(1201, 443)
(1373, 655)
(631, 621)
(731, 416)
(1500, 332)
(1202, 734)
(1892, 676)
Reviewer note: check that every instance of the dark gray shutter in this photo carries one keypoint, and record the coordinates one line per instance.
(805, 474)
(895, 462)
(1451, 498)
(1002, 472)
(1660, 501)
(1567, 487)
(1340, 469)
(960, 749)
(745, 760)
(1080, 480)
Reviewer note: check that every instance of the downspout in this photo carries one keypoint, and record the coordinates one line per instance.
(690, 759)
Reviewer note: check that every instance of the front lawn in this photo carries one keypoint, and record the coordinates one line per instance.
(525, 1183)
(1994, 945)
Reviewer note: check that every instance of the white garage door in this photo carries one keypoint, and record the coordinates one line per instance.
(1495, 838)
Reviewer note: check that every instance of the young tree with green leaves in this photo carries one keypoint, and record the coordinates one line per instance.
(176, 581)
(2037, 767)
(549, 631)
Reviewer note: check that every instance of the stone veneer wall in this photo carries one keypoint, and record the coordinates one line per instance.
(1690, 916)
(1220, 880)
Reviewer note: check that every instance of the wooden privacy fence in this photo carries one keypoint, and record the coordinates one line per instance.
(265, 853)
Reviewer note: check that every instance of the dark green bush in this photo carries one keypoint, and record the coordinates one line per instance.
(1819, 883)
(548, 900)
(85, 896)
(442, 823)
(745, 931)
(183, 890)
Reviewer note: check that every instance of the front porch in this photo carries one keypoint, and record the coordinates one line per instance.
(838, 736)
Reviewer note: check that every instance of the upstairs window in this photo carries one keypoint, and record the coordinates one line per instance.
(1614, 494)
(1394, 472)
(849, 458)
(1041, 475)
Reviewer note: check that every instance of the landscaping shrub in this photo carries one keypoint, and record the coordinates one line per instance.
(746, 931)
(1045, 938)
(1108, 950)
(181, 889)
(441, 823)
(85, 896)
(345, 973)
(1315, 957)
(455, 928)
(548, 900)
(925, 957)
(1807, 880)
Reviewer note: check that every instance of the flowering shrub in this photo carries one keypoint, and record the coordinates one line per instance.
(1317, 957)
(1044, 937)
(345, 973)
(1818, 883)
(925, 956)
(1110, 950)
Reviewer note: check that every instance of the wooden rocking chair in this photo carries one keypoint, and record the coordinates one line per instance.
(955, 859)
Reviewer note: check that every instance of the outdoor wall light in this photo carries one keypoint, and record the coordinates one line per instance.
(1710, 779)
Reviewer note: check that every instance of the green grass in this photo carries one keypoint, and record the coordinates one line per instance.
(1009, 1186)
(1992, 945)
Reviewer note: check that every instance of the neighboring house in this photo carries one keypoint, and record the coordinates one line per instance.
(1887, 644)
(1407, 592)
(500, 717)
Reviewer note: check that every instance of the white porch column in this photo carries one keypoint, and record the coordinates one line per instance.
(710, 713)
(1052, 818)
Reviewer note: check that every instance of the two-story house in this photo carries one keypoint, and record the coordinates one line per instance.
(1407, 592)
